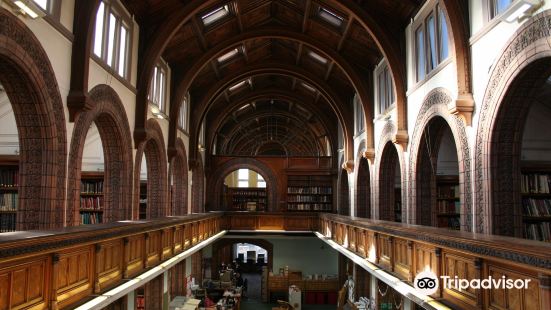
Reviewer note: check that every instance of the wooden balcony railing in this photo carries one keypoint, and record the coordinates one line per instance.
(57, 269)
(405, 250)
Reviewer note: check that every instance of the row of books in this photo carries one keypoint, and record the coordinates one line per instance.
(9, 201)
(309, 207)
(446, 206)
(90, 218)
(91, 187)
(309, 190)
(309, 198)
(7, 222)
(91, 203)
(536, 207)
(538, 231)
(448, 191)
(449, 222)
(254, 193)
(535, 183)
(9, 178)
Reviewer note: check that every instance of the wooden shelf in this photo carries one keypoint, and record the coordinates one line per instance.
(9, 192)
(91, 185)
(536, 201)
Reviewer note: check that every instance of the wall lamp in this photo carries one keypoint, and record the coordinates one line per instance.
(521, 9)
(28, 7)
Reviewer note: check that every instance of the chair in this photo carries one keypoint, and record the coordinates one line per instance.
(283, 305)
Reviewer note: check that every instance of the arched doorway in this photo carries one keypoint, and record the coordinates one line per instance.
(344, 194)
(178, 181)
(363, 190)
(438, 191)
(244, 190)
(100, 163)
(390, 185)
(29, 83)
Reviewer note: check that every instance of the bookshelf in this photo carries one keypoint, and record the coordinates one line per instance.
(9, 197)
(91, 198)
(140, 298)
(448, 204)
(536, 202)
(143, 201)
(309, 193)
(247, 198)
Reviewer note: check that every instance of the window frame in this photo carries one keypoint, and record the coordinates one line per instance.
(159, 77)
(183, 116)
(384, 90)
(359, 122)
(422, 23)
(122, 20)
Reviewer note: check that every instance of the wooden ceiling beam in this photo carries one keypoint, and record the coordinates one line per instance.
(299, 53)
(329, 70)
(307, 8)
(345, 33)
(238, 16)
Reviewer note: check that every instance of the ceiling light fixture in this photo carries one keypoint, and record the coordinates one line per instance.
(520, 9)
(318, 57)
(29, 8)
(331, 17)
(227, 56)
(215, 15)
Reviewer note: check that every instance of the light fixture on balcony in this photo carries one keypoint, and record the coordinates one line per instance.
(29, 8)
(156, 112)
(520, 9)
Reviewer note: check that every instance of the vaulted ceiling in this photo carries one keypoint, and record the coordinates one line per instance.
(297, 63)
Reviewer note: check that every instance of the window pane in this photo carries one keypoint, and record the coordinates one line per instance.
(420, 53)
(243, 184)
(381, 91)
(261, 184)
(154, 88)
(122, 52)
(388, 83)
(111, 39)
(243, 174)
(161, 91)
(98, 39)
(443, 35)
(43, 4)
(501, 5)
(431, 29)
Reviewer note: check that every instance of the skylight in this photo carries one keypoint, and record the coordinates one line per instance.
(308, 87)
(318, 57)
(239, 85)
(331, 17)
(228, 55)
(215, 15)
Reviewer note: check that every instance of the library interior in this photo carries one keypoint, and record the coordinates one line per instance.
(275, 154)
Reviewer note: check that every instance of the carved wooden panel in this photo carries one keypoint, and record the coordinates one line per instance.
(194, 232)
(523, 298)
(271, 222)
(298, 223)
(153, 248)
(352, 239)
(243, 222)
(24, 285)
(109, 264)
(187, 236)
(178, 239)
(167, 239)
(403, 258)
(385, 251)
(425, 259)
(74, 274)
(454, 265)
(201, 234)
(134, 249)
(361, 242)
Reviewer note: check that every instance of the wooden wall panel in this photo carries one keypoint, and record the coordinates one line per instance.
(134, 249)
(187, 236)
(178, 239)
(167, 243)
(455, 265)
(243, 222)
(153, 248)
(27, 283)
(109, 264)
(385, 251)
(271, 222)
(403, 258)
(523, 299)
(74, 275)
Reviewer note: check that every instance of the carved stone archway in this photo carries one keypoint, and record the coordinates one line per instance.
(31, 86)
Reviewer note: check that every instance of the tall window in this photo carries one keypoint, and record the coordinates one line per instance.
(431, 42)
(499, 6)
(184, 114)
(385, 89)
(112, 37)
(157, 89)
(358, 115)
(49, 6)
(261, 182)
(243, 178)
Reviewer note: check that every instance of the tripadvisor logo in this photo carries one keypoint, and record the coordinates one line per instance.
(426, 282)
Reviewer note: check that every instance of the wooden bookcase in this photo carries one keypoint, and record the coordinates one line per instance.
(448, 204)
(535, 190)
(247, 198)
(143, 201)
(9, 197)
(91, 198)
(309, 193)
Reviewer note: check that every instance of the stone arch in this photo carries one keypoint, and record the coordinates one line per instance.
(216, 179)
(362, 186)
(520, 66)
(30, 83)
(198, 187)
(153, 147)
(222, 243)
(344, 193)
(107, 112)
(178, 173)
(435, 105)
(384, 164)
